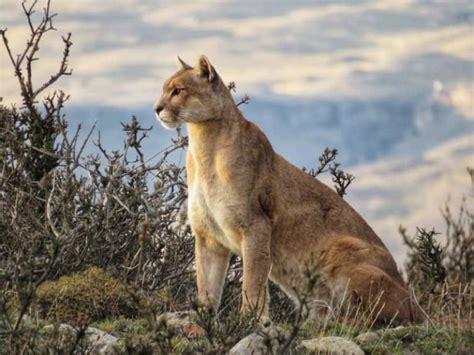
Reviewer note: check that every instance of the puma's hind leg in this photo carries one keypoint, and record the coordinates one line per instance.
(382, 297)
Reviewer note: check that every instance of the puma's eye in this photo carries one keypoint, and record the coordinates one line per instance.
(176, 91)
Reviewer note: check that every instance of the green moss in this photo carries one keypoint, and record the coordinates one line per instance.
(123, 326)
(424, 340)
(85, 297)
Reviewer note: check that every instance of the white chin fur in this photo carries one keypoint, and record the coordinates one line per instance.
(168, 124)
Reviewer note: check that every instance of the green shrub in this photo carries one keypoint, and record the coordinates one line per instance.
(84, 297)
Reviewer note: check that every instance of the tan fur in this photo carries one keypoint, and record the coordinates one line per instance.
(246, 199)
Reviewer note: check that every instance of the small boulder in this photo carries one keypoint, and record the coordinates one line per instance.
(367, 339)
(265, 341)
(180, 322)
(400, 328)
(332, 345)
(102, 342)
(99, 342)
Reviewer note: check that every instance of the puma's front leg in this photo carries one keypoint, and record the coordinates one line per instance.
(257, 264)
(212, 260)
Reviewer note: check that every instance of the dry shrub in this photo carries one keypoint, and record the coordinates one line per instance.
(441, 277)
(62, 212)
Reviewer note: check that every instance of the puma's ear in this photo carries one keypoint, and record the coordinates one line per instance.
(183, 64)
(206, 69)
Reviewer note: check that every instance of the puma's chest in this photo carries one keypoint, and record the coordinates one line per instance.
(210, 212)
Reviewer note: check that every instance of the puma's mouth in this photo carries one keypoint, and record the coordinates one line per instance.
(166, 117)
(167, 120)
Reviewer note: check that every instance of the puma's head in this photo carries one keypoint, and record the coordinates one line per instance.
(192, 95)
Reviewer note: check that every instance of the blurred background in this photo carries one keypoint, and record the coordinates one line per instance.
(390, 84)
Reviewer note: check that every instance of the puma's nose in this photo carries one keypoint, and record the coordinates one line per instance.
(158, 109)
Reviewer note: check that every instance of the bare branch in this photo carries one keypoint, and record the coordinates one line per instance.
(341, 179)
(28, 12)
(29, 54)
(231, 86)
(63, 68)
(245, 100)
(18, 71)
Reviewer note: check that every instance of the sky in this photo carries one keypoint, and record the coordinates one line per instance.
(390, 84)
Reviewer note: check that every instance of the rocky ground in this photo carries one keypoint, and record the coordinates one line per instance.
(124, 336)
(93, 312)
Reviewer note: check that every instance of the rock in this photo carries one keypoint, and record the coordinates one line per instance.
(101, 342)
(265, 341)
(107, 349)
(99, 336)
(333, 346)
(180, 322)
(367, 339)
(395, 330)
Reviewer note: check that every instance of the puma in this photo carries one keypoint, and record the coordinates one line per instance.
(246, 199)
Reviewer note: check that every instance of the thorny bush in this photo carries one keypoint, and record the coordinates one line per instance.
(441, 275)
(61, 211)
